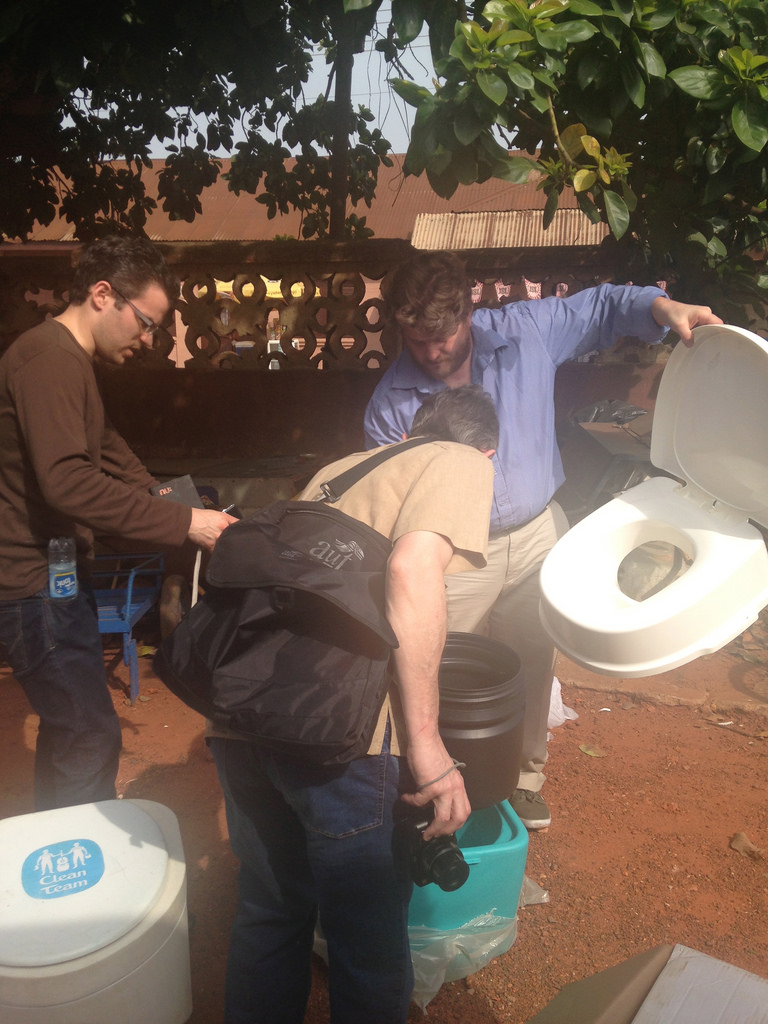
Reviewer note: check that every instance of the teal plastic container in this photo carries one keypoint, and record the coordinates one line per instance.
(495, 846)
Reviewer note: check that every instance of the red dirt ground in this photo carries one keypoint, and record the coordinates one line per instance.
(638, 853)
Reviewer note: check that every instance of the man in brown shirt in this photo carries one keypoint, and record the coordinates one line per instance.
(65, 472)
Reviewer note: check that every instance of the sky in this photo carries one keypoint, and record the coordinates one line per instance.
(394, 117)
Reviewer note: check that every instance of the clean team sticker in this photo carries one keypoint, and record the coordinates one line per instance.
(62, 869)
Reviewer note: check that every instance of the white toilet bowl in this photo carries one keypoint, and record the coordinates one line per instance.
(711, 432)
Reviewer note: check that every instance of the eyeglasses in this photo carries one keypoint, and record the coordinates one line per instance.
(147, 326)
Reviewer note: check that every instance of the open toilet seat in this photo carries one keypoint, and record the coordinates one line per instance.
(711, 431)
(594, 623)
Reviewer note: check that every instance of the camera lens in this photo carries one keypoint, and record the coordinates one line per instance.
(437, 860)
(444, 863)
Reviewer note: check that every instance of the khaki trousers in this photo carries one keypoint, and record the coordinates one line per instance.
(502, 601)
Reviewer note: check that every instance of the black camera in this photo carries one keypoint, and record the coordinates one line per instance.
(437, 860)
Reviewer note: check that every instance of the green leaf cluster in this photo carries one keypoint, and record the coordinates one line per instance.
(654, 112)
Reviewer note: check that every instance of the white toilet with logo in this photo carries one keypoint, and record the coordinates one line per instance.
(710, 432)
(93, 916)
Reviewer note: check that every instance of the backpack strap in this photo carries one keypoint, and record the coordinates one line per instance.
(333, 489)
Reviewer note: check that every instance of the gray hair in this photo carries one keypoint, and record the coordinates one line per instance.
(466, 415)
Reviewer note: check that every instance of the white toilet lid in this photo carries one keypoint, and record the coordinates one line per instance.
(75, 879)
(710, 425)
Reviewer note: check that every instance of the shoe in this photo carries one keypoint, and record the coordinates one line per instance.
(531, 809)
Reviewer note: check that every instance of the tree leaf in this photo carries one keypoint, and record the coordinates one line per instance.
(652, 60)
(516, 169)
(570, 139)
(521, 77)
(633, 83)
(586, 8)
(412, 93)
(464, 165)
(629, 197)
(584, 179)
(494, 87)
(407, 19)
(512, 37)
(716, 249)
(588, 208)
(750, 122)
(501, 9)
(550, 207)
(551, 37)
(565, 33)
(591, 146)
(617, 213)
(625, 9)
(741, 844)
(587, 748)
(467, 125)
(702, 83)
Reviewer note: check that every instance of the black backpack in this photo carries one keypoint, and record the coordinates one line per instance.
(289, 646)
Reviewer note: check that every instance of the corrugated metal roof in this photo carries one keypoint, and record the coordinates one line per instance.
(504, 229)
(399, 202)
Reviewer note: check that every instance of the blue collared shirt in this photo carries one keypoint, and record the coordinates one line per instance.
(516, 351)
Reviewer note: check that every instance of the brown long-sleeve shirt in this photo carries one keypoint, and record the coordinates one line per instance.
(64, 470)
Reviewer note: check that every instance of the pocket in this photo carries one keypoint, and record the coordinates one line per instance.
(25, 634)
(337, 801)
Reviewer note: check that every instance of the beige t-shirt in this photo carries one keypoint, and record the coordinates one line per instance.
(441, 487)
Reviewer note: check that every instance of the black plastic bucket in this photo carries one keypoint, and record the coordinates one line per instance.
(482, 704)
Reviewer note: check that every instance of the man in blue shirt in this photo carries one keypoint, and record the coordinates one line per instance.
(514, 353)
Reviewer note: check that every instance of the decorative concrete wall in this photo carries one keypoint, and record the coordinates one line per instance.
(275, 348)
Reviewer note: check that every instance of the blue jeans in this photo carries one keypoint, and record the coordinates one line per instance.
(316, 839)
(54, 649)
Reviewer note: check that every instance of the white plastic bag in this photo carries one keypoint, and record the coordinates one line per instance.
(558, 712)
(440, 956)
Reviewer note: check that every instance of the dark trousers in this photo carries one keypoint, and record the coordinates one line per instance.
(54, 649)
(316, 839)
